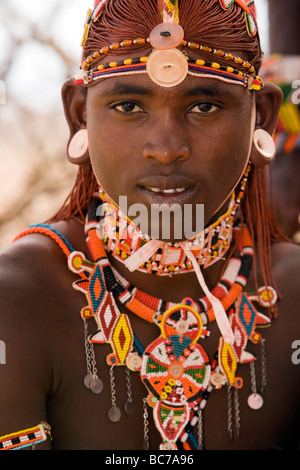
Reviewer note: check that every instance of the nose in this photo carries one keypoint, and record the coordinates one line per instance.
(166, 142)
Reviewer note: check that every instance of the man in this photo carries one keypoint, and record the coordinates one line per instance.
(158, 344)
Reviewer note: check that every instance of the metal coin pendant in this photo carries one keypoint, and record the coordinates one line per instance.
(96, 386)
(130, 407)
(146, 444)
(114, 414)
(87, 380)
(255, 401)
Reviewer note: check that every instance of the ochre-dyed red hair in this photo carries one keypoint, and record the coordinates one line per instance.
(204, 22)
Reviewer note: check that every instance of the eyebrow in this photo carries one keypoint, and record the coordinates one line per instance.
(123, 89)
(128, 89)
(212, 92)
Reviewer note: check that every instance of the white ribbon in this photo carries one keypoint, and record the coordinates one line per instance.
(144, 253)
(220, 314)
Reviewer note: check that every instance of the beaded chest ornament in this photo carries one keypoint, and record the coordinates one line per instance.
(174, 368)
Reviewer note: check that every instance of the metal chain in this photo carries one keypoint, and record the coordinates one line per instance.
(146, 425)
(87, 348)
(233, 404)
(237, 412)
(128, 385)
(263, 365)
(229, 401)
(200, 429)
(93, 361)
(114, 413)
(89, 353)
(253, 379)
(112, 387)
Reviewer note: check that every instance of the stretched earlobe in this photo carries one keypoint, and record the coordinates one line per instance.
(74, 101)
(264, 149)
(78, 148)
(267, 103)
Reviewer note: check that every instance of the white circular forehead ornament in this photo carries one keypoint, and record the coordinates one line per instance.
(166, 36)
(167, 68)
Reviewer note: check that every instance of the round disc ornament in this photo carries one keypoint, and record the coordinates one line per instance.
(255, 401)
(114, 414)
(78, 145)
(87, 380)
(167, 68)
(166, 36)
(130, 408)
(267, 296)
(96, 385)
(93, 383)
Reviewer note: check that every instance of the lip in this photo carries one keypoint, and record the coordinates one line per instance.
(163, 182)
(167, 189)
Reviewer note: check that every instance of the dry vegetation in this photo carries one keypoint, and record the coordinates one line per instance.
(35, 175)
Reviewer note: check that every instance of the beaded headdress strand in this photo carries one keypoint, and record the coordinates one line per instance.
(167, 65)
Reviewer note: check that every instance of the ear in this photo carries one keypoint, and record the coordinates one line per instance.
(268, 102)
(74, 102)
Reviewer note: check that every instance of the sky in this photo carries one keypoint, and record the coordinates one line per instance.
(39, 70)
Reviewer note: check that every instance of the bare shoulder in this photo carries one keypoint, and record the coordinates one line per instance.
(33, 279)
(32, 261)
(27, 269)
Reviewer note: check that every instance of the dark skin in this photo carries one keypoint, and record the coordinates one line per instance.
(158, 137)
(40, 319)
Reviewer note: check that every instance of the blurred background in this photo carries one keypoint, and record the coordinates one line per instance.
(39, 50)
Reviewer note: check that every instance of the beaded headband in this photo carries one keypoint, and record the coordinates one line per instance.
(166, 65)
(196, 67)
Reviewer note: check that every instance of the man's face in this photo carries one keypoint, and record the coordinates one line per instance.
(184, 145)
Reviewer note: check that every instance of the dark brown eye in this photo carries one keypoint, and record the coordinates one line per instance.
(204, 108)
(128, 107)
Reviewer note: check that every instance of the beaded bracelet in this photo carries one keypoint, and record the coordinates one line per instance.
(27, 438)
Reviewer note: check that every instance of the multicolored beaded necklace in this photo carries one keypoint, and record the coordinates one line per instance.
(122, 239)
(174, 368)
